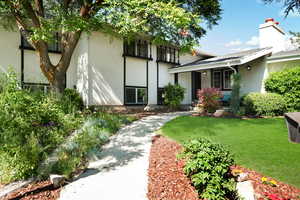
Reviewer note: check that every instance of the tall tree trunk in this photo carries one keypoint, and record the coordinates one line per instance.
(59, 83)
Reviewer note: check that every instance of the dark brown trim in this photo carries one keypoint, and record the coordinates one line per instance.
(147, 80)
(222, 77)
(176, 78)
(157, 81)
(139, 57)
(124, 79)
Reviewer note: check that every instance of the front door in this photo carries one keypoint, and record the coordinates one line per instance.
(196, 84)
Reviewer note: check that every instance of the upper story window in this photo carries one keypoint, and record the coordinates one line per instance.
(138, 48)
(168, 54)
(54, 46)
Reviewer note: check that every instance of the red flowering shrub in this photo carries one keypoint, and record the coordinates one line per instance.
(209, 99)
(273, 197)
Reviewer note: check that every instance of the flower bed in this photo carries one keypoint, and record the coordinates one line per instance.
(267, 188)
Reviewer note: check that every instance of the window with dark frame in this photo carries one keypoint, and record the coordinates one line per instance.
(217, 79)
(222, 79)
(139, 48)
(167, 54)
(136, 95)
(54, 46)
(160, 96)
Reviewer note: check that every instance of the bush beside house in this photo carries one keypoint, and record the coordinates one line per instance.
(209, 99)
(287, 84)
(264, 104)
(173, 95)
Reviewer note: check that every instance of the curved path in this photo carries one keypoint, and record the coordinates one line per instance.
(119, 171)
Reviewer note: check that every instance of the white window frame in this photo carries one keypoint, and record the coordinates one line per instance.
(224, 79)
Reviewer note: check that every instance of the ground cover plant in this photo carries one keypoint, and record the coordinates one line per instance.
(258, 144)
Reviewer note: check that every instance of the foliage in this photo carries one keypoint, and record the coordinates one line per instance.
(177, 22)
(207, 164)
(264, 104)
(71, 101)
(209, 99)
(235, 93)
(257, 143)
(173, 95)
(287, 84)
(33, 125)
(290, 5)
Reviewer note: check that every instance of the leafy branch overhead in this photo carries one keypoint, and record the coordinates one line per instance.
(178, 22)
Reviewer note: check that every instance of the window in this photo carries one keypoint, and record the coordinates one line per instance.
(54, 46)
(137, 48)
(160, 96)
(167, 54)
(217, 79)
(227, 79)
(222, 79)
(135, 95)
(37, 87)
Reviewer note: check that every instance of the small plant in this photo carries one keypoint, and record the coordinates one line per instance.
(209, 99)
(268, 104)
(267, 181)
(173, 95)
(207, 165)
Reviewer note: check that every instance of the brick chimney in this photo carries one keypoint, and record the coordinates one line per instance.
(271, 35)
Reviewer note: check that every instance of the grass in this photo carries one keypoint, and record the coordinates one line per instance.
(259, 144)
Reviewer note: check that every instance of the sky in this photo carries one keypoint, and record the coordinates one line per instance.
(238, 28)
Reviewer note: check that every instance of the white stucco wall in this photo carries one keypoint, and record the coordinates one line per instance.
(10, 55)
(136, 72)
(185, 80)
(253, 80)
(164, 76)
(106, 70)
(279, 66)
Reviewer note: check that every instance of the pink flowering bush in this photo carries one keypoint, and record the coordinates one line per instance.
(209, 99)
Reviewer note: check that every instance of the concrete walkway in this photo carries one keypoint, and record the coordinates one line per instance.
(119, 171)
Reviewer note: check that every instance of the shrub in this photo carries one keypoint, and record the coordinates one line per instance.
(207, 165)
(173, 95)
(287, 84)
(267, 104)
(31, 126)
(209, 99)
(71, 101)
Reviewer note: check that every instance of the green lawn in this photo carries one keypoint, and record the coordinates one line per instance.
(259, 144)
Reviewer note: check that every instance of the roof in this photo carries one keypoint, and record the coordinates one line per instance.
(204, 54)
(285, 54)
(232, 59)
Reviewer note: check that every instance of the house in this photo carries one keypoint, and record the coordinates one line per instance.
(108, 71)
(254, 66)
(105, 70)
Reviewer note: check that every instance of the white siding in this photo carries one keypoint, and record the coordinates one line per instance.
(136, 72)
(185, 80)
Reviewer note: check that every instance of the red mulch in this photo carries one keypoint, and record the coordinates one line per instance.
(40, 190)
(166, 178)
(282, 191)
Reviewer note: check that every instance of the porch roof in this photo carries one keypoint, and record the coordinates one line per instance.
(228, 60)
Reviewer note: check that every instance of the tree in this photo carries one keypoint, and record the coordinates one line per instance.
(176, 21)
(290, 5)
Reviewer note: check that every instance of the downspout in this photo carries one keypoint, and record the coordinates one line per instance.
(229, 66)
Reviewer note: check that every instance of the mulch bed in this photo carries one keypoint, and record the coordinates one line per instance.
(281, 192)
(168, 182)
(40, 190)
(166, 178)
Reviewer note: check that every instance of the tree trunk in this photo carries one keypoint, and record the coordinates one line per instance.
(59, 83)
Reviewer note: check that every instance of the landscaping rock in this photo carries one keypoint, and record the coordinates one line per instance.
(6, 190)
(57, 180)
(243, 177)
(245, 190)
